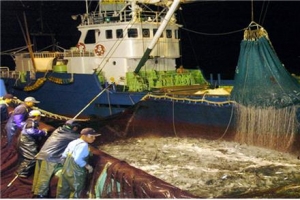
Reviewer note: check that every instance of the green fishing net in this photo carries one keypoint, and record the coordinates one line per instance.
(261, 80)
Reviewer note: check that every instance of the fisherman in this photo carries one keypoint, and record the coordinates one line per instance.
(4, 104)
(75, 167)
(48, 159)
(18, 118)
(28, 143)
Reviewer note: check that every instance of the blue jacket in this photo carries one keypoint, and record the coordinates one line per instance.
(19, 116)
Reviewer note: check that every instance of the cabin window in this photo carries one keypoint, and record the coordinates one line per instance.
(176, 34)
(169, 33)
(146, 33)
(155, 30)
(90, 37)
(132, 33)
(108, 34)
(119, 33)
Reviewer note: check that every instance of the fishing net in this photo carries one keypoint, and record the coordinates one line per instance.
(267, 95)
(121, 178)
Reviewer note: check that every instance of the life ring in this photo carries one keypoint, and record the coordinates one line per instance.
(99, 50)
(81, 47)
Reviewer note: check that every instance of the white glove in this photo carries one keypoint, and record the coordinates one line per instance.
(89, 168)
(46, 131)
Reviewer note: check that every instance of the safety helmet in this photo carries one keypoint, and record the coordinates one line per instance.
(35, 113)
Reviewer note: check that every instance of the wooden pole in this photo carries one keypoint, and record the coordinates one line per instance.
(28, 42)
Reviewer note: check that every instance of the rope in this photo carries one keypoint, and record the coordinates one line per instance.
(61, 81)
(191, 43)
(173, 120)
(252, 10)
(49, 114)
(165, 96)
(255, 31)
(113, 49)
(92, 101)
(12, 51)
(212, 34)
(229, 122)
(37, 84)
(262, 18)
(109, 104)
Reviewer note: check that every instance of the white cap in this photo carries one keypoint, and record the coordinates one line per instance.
(35, 113)
(31, 99)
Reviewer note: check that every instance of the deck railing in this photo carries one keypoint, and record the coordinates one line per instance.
(6, 73)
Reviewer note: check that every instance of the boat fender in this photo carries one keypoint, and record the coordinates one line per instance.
(38, 83)
(81, 47)
(99, 50)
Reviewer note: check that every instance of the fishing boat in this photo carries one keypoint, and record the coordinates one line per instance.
(126, 50)
(124, 65)
(126, 56)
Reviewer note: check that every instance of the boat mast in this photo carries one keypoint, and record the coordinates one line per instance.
(157, 35)
(87, 12)
(86, 8)
(133, 7)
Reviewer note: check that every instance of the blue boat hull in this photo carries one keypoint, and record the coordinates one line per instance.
(70, 99)
(168, 115)
(173, 118)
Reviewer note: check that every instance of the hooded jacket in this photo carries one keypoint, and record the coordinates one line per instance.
(56, 144)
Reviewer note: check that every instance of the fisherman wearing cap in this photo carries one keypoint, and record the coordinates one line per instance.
(4, 104)
(75, 167)
(49, 157)
(28, 143)
(18, 118)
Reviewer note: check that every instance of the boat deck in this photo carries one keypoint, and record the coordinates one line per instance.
(195, 90)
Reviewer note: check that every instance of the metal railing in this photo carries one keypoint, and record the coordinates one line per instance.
(6, 73)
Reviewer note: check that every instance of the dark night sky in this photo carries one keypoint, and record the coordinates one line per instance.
(214, 51)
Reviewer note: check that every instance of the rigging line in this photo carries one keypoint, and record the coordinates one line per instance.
(228, 124)
(109, 54)
(13, 50)
(105, 89)
(252, 11)
(213, 34)
(23, 5)
(114, 48)
(109, 103)
(29, 45)
(115, 45)
(57, 47)
(265, 13)
(23, 32)
(173, 117)
(189, 38)
(158, 24)
(261, 12)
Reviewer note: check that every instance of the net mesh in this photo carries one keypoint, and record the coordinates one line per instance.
(267, 95)
(261, 80)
